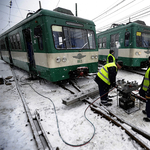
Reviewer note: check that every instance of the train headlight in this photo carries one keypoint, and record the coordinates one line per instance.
(92, 56)
(58, 59)
(137, 53)
(96, 56)
(64, 59)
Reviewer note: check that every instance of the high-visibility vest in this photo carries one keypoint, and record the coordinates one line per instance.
(146, 82)
(112, 57)
(103, 72)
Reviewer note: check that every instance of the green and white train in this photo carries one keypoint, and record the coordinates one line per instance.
(54, 45)
(134, 41)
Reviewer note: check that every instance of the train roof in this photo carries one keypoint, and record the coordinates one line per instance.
(116, 27)
(55, 13)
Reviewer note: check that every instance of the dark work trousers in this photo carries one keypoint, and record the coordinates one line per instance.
(148, 107)
(142, 93)
(103, 89)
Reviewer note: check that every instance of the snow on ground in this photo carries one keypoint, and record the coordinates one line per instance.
(15, 132)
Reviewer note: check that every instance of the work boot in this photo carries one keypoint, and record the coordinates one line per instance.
(146, 119)
(144, 112)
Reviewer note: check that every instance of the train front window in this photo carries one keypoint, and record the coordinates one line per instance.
(142, 39)
(73, 38)
(76, 38)
(59, 40)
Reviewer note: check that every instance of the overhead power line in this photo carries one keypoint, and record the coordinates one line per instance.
(126, 18)
(57, 3)
(109, 9)
(11, 14)
(110, 14)
(116, 10)
(18, 9)
(133, 17)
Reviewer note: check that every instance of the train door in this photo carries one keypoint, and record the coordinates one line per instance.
(114, 39)
(8, 48)
(29, 48)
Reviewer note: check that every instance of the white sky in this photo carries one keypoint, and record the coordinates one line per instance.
(86, 9)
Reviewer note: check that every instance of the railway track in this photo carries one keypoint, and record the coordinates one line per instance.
(133, 132)
(140, 72)
(130, 129)
(106, 112)
(35, 123)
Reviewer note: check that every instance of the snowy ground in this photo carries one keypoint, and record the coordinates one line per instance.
(15, 132)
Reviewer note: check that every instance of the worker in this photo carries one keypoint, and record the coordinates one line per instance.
(145, 92)
(105, 78)
(110, 57)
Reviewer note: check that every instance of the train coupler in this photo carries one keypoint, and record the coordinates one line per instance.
(82, 71)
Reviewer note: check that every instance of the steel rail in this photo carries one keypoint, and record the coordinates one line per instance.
(129, 132)
(41, 141)
(138, 130)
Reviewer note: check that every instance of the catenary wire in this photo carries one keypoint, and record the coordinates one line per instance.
(18, 8)
(109, 9)
(57, 3)
(125, 19)
(116, 10)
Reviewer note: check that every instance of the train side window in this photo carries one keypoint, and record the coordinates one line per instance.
(145, 40)
(59, 40)
(138, 39)
(104, 42)
(15, 42)
(38, 35)
(100, 43)
(114, 38)
(18, 40)
(2, 45)
(12, 43)
(127, 36)
(91, 39)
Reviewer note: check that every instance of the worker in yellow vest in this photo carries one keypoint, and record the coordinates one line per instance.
(145, 92)
(105, 78)
(110, 57)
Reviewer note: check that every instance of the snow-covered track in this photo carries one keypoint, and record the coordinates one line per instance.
(80, 96)
(37, 129)
(130, 129)
(123, 126)
(140, 72)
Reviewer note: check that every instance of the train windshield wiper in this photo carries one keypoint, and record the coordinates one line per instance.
(83, 46)
(146, 44)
